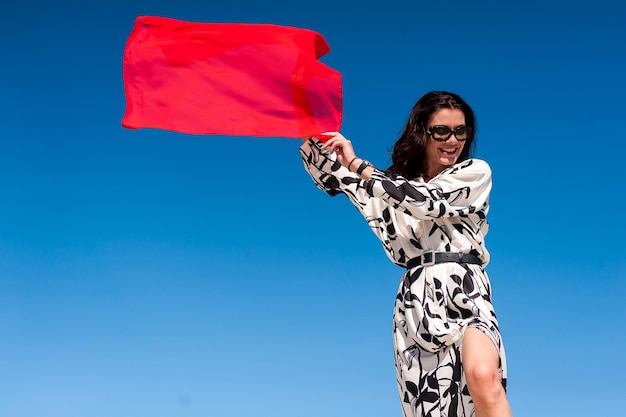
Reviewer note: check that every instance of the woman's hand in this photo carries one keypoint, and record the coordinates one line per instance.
(342, 146)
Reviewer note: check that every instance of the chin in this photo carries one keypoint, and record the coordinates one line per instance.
(449, 161)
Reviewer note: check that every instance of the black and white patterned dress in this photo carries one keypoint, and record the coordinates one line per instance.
(435, 304)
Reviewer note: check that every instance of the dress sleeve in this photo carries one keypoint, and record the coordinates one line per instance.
(458, 191)
(333, 178)
(330, 176)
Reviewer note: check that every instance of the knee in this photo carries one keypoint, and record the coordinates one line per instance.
(484, 384)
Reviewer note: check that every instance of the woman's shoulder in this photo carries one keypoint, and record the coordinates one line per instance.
(471, 165)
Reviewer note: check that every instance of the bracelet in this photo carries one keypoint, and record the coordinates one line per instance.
(362, 167)
(353, 159)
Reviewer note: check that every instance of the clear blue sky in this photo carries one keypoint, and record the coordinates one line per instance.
(153, 274)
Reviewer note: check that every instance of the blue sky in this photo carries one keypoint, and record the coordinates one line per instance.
(149, 273)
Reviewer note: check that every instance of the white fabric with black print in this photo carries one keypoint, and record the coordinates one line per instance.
(435, 304)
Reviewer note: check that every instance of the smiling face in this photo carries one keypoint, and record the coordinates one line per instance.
(440, 155)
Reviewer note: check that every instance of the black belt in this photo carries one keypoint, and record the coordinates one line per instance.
(432, 258)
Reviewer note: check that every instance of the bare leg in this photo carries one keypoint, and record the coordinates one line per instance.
(481, 366)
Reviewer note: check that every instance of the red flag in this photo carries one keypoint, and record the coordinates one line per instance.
(229, 79)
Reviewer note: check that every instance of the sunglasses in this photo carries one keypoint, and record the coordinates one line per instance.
(443, 133)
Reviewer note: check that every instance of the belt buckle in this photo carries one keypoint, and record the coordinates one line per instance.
(431, 258)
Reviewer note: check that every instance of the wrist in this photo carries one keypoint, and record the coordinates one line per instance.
(350, 163)
(364, 164)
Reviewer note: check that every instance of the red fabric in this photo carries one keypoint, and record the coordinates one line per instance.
(229, 79)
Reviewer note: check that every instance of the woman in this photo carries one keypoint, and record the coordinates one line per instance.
(429, 211)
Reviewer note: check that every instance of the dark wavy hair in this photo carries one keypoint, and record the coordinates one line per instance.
(408, 154)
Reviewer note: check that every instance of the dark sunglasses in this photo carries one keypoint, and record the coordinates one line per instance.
(443, 133)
